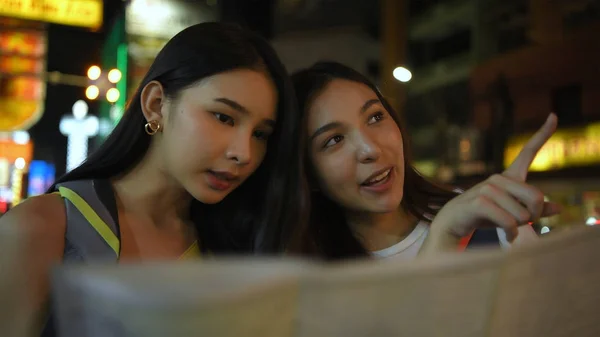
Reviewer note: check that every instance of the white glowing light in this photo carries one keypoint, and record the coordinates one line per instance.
(114, 76)
(94, 73)
(402, 74)
(21, 137)
(78, 128)
(20, 163)
(80, 109)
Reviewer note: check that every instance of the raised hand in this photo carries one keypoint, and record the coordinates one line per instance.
(504, 200)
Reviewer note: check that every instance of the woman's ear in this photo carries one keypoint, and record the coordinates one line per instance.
(152, 99)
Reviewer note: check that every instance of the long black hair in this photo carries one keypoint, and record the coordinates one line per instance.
(328, 234)
(263, 213)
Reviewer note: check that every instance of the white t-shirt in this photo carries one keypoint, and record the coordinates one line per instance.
(409, 247)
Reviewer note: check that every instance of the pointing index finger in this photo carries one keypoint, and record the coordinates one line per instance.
(520, 166)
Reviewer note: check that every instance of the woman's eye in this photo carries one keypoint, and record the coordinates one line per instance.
(333, 140)
(262, 135)
(223, 118)
(376, 117)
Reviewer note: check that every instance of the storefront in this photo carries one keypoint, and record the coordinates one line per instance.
(22, 66)
(23, 48)
(150, 24)
(78, 13)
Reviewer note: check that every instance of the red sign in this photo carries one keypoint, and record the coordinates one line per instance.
(10, 151)
(21, 65)
(22, 89)
(26, 43)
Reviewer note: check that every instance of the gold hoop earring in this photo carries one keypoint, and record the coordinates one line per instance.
(152, 127)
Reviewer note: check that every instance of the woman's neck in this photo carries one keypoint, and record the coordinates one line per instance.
(147, 191)
(378, 231)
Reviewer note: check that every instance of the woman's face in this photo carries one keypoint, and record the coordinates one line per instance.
(356, 148)
(215, 132)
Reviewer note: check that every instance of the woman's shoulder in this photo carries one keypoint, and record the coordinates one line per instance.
(39, 215)
(41, 205)
(39, 225)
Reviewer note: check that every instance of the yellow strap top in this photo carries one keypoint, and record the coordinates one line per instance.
(193, 252)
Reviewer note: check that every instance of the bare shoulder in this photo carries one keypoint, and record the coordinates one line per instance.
(41, 222)
(40, 216)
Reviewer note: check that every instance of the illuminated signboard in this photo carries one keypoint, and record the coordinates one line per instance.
(162, 19)
(149, 24)
(11, 151)
(81, 13)
(22, 87)
(566, 148)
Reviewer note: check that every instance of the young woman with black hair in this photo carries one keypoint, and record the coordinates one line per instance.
(205, 159)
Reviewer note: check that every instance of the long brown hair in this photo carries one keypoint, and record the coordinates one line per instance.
(328, 234)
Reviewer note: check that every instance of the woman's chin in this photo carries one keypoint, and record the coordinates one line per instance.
(385, 206)
(389, 203)
(208, 196)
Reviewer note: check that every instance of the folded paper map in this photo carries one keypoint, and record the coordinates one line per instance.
(550, 288)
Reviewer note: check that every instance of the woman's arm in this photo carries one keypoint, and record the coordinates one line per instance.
(42, 222)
